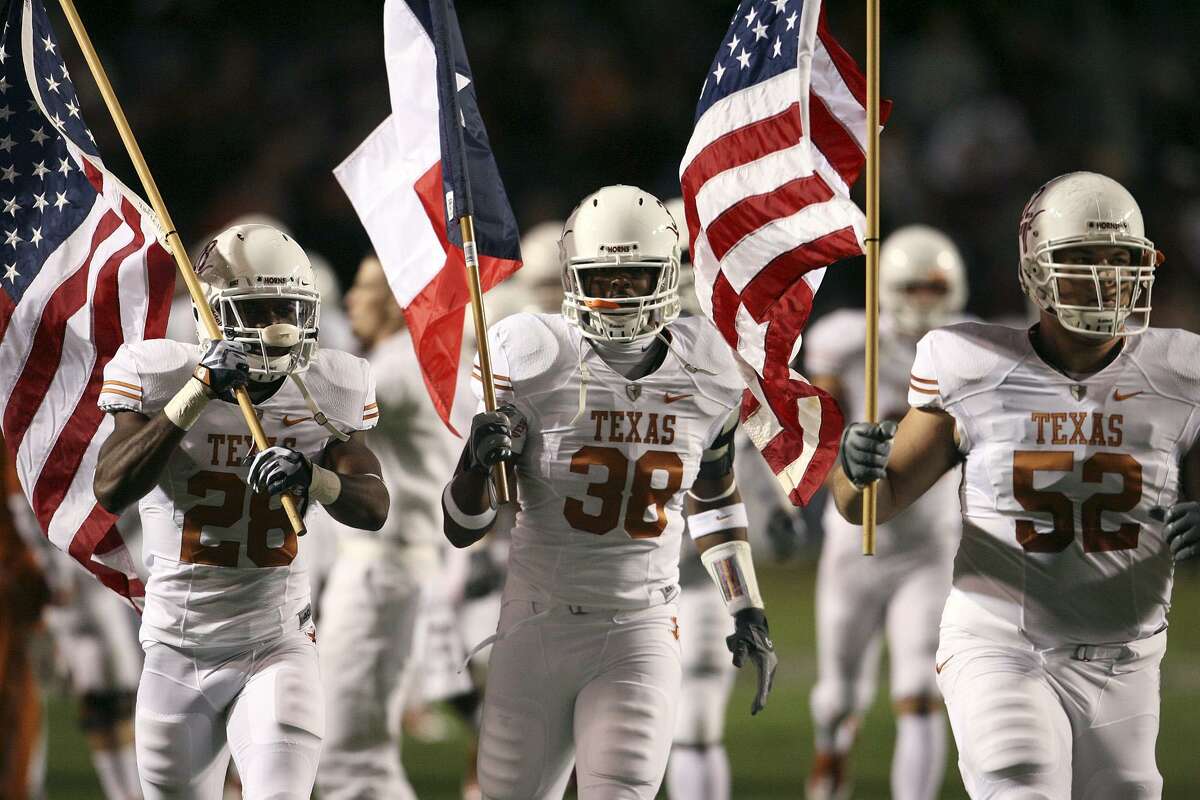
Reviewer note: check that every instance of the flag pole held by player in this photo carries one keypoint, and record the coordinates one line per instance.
(460, 204)
(872, 252)
(174, 242)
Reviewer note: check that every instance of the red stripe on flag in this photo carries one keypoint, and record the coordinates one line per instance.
(855, 81)
(40, 369)
(160, 275)
(787, 269)
(831, 138)
(99, 533)
(6, 311)
(435, 316)
(741, 146)
(724, 309)
(748, 215)
(107, 336)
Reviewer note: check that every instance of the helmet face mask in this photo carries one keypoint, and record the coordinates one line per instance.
(1084, 257)
(620, 231)
(262, 291)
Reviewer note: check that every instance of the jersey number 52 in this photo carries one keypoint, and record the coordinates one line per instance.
(645, 499)
(1062, 508)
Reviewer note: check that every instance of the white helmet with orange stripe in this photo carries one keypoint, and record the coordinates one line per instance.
(627, 234)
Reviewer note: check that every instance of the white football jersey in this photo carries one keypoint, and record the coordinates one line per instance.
(415, 450)
(1060, 478)
(605, 461)
(223, 561)
(834, 347)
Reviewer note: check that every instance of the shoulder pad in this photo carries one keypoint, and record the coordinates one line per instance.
(343, 387)
(144, 376)
(718, 377)
(531, 354)
(962, 360)
(833, 340)
(1157, 355)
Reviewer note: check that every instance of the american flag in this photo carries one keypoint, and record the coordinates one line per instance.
(779, 138)
(81, 271)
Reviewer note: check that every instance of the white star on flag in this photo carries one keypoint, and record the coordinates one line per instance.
(4, 84)
(5, 113)
(13, 239)
(51, 84)
(733, 43)
(760, 31)
(11, 206)
(61, 200)
(40, 170)
(39, 201)
(10, 272)
(750, 17)
(72, 109)
(720, 70)
(7, 144)
(10, 174)
(780, 5)
(791, 21)
(37, 237)
(778, 47)
(39, 136)
(744, 58)
(49, 44)
(64, 166)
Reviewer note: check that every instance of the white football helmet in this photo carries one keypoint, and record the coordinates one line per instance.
(916, 257)
(620, 225)
(1082, 210)
(261, 288)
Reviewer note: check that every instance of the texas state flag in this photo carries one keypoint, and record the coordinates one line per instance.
(423, 167)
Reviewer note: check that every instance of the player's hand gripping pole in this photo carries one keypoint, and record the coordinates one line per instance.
(872, 247)
(173, 241)
(471, 257)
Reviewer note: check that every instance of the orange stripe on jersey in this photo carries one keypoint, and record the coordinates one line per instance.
(912, 377)
(495, 375)
(373, 415)
(916, 388)
(130, 395)
(371, 406)
(123, 384)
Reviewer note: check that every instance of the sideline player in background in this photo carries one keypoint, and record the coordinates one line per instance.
(1078, 441)
(900, 592)
(230, 647)
(613, 412)
(373, 598)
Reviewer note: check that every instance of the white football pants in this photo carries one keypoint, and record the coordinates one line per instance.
(600, 686)
(263, 703)
(708, 671)
(1071, 722)
(370, 640)
(858, 599)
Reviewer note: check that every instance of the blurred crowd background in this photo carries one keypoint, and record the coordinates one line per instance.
(246, 107)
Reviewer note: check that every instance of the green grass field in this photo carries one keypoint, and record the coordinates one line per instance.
(771, 753)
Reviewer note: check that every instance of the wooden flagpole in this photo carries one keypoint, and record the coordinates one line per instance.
(464, 209)
(872, 247)
(173, 240)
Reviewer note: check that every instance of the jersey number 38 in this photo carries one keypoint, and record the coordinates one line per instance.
(645, 511)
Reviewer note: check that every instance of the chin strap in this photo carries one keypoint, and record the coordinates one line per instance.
(318, 415)
(584, 376)
(687, 365)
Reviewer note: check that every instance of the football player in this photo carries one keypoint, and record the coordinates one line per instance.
(614, 412)
(373, 597)
(231, 660)
(900, 592)
(1077, 441)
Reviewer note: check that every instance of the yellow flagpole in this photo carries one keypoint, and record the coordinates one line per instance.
(173, 241)
(872, 247)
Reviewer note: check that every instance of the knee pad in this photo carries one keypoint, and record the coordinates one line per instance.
(833, 701)
(917, 704)
(1010, 734)
(102, 711)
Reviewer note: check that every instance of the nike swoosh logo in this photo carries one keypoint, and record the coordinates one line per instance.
(938, 667)
(290, 421)
(669, 398)
(1119, 397)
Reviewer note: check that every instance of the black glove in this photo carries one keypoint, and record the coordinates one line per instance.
(1182, 529)
(492, 437)
(223, 368)
(865, 449)
(751, 639)
(278, 469)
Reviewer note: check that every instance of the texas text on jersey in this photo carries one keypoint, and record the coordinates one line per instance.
(223, 559)
(1061, 475)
